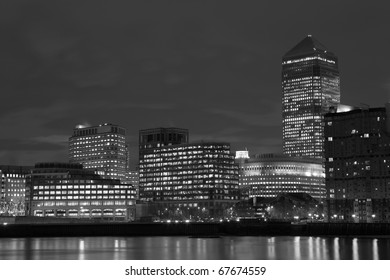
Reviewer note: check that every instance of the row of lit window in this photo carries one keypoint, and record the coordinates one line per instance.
(83, 203)
(97, 137)
(76, 187)
(12, 175)
(72, 197)
(195, 184)
(212, 148)
(75, 213)
(149, 168)
(82, 192)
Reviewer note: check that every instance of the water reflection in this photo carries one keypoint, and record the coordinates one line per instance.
(355, 249)
(311, 248)
(375, 249)
(81, 250)
(336, 249)
(271, 248)
(172, 248)
(297, 247)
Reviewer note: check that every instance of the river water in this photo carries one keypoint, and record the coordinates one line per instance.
(184, 248)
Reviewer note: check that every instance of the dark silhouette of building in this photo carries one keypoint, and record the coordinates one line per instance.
(357, 150)
(162, 136)
(283, 207)
(310, 86)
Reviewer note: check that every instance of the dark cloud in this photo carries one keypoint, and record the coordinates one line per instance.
(210, 66)
(48, 143)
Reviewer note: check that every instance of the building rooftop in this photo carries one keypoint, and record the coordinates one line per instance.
(279, 158)
(309, 45)
(354, 110)
(58, 165)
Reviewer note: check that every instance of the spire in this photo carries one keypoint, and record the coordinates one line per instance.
(309, 45)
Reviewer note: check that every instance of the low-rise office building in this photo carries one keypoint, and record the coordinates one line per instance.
(12, 189)
(269, 175)
(68, 190)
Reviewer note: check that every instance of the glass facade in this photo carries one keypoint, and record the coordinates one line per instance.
(310, 86)
(101, 148)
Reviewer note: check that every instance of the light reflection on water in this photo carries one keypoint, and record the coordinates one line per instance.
(336, 248)
(375, 249)
(181, 248)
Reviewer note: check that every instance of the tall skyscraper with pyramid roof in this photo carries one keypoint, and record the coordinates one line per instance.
(310, 86)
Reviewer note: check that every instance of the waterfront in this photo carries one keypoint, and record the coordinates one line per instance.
(184, 248)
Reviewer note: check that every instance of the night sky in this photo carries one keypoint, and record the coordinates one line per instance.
(213, 67)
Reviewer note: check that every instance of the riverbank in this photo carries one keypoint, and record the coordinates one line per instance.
(192, 229)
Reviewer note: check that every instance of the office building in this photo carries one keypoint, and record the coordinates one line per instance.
(270, 175)
(133, 179)
(69, 190)
(101, 148)
(162, 136)
(12, 189)
(187, 176)
(357, 150)
(310, 86)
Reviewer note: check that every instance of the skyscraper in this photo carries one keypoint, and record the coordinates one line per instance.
(101, 148)
(310, 86)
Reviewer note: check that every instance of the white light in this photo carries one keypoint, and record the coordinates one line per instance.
(344, 108)
(80, 126)
(242, 154)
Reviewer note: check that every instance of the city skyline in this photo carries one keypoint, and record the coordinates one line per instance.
(181, 66)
